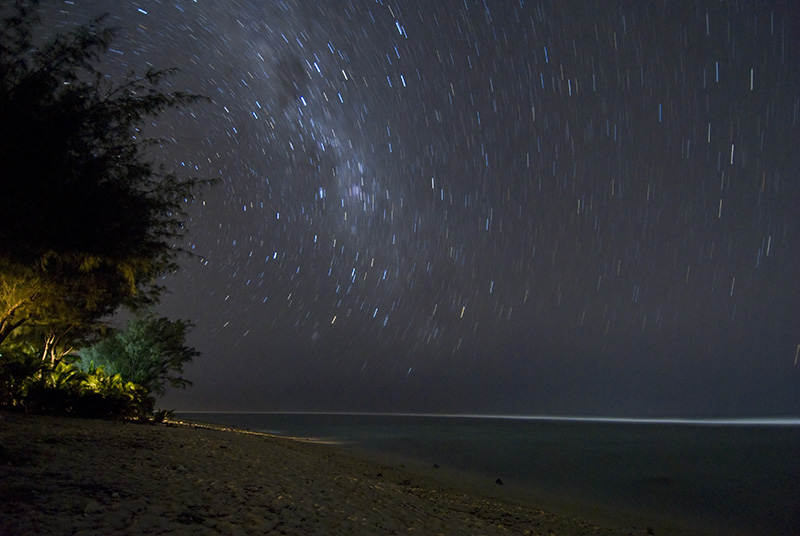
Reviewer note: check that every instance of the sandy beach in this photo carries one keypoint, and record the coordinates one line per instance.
(75, 476)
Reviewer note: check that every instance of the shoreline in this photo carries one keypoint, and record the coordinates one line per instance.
(619, 509)
(74, 476)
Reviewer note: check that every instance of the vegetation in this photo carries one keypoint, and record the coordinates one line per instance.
(65, 389)
(150, 353)
(88, 223)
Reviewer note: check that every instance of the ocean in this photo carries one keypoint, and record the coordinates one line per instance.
(718, 476)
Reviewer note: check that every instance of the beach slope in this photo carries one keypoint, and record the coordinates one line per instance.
(75, 476)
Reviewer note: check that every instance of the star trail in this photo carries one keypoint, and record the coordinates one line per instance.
(482, 206)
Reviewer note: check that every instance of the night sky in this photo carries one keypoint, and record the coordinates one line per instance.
(499, 206)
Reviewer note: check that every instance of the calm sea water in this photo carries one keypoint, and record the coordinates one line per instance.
(727, 476)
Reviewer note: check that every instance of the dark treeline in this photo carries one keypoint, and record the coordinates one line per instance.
(88, 224)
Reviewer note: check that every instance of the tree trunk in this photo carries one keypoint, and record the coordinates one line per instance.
(52, 343)
(7, 322)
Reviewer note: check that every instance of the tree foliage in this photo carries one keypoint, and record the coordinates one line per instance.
(87, 221)
(150, 352)
(88, 224)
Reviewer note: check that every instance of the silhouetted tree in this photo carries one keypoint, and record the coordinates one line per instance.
(87, 221)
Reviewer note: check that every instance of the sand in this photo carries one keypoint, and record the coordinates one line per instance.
(75, 476)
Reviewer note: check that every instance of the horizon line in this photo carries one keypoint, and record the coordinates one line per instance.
(753, 421)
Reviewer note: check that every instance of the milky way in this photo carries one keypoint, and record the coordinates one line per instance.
(488, 206)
